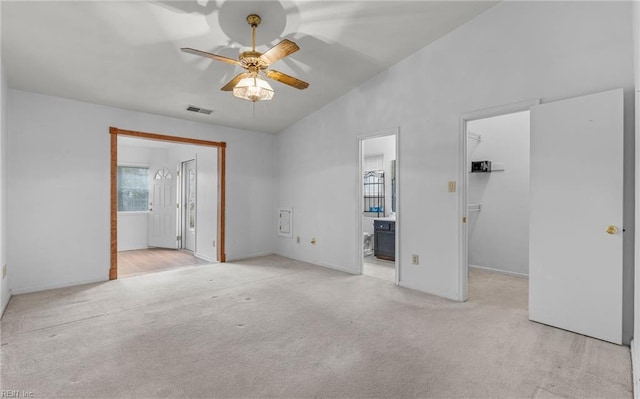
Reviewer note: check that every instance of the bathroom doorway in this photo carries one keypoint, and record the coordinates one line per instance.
(378, 205)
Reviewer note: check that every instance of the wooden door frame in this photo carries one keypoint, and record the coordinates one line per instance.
(221, 146)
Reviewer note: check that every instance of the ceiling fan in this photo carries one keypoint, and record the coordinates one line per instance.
(250, 85)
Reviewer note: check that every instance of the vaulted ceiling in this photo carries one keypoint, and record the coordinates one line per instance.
(127, 54)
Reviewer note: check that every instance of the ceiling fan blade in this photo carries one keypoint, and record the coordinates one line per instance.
(279, 51)
(233, 82)
(286, 79)
(210, 55)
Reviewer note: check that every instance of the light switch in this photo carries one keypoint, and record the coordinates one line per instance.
(452, 186)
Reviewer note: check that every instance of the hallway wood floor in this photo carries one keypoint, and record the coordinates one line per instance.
(142, 261)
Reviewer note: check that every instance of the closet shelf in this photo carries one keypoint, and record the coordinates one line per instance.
(474, 207)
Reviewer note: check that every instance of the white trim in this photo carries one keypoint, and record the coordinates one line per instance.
(634, 368)
(359, 162)
(134, 165)
(316, 263)
(410, 284)
(132, 213)
(398, 214)
(204, 257)
(46, 287)
(5, 303)
(250, 256)
(463, 249)
(336, 267)
(491, 269)
(181, 219)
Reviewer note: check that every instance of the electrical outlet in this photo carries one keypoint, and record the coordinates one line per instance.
(415, 259)
(313, 241)
(4, 272)
(298, 240)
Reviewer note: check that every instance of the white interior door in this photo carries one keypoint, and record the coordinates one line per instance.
(575, 264)
(190, 205)
(162, 210)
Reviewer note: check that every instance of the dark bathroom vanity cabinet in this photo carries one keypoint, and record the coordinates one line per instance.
(384, 239)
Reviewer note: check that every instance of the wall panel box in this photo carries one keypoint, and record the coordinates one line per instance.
(480, 166)
(285, 222)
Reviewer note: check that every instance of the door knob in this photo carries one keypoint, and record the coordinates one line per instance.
(612, 230)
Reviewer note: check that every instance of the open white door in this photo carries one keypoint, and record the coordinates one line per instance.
(190, 207)
(162, 210)
(575, 255)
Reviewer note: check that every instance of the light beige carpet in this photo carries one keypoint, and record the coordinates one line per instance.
(382, 269)
(273, 327)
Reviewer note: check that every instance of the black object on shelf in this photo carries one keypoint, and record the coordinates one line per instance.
(480, 166)
(384, 239)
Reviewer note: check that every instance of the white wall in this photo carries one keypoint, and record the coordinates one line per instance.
(513, 52)
(636, 308)
(58, 187)
(499, 232)
(206, 195)
(133, 227)
(133, 230)
(5, 292)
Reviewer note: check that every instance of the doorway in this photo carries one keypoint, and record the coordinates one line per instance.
(575, 211)
(498, 193)
(377, 209)
(214, 190)
(471, 206)
(189, 184)
(498, 199)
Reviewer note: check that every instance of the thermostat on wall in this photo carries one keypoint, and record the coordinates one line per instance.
(480, 166)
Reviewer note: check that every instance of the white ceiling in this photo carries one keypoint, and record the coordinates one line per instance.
(127, 54)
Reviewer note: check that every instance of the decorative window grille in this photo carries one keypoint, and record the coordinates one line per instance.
(373, 180)
(162, 174)
(374, 193)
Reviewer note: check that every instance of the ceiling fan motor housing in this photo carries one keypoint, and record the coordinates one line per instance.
(254, 20)
(252, 59)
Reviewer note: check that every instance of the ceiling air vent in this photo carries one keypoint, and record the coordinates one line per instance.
(199, 110)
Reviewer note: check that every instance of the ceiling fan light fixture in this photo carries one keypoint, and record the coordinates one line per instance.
(250, 85)
(253, 89)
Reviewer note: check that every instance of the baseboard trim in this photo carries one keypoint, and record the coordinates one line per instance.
(447, 295)
(634, 369)
(204, 257)
(516, 274)
(243, 257)
(29, 290)
(321, 264)
(334, 267)
(5, 303)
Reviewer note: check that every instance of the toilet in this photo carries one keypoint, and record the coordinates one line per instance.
(367, 244)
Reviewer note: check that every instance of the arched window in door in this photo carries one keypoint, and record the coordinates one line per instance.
(162, 174)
